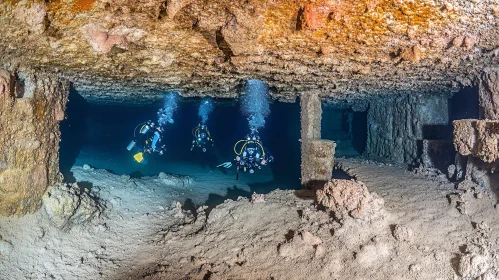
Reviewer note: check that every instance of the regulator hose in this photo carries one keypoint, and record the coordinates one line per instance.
(237, 143)
(136, 128)
(195, 131)
(247, 142)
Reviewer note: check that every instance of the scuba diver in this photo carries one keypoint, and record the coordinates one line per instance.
(251, 155)
(147, 141)
(202, 137)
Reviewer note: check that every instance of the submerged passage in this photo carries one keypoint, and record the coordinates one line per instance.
(99, 134)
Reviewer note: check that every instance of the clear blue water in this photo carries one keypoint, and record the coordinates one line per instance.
(98, 134)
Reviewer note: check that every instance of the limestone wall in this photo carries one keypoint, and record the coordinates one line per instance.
(31, 106)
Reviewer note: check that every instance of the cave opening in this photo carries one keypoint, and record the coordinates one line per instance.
(97, 135)
(346, 127)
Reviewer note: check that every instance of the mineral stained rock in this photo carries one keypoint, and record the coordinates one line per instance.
(31, 106)
(350, 198)
(257, 198)
(68, 206)
(111, 49)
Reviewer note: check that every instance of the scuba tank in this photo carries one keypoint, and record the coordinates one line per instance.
(144, 129)
(131, 145)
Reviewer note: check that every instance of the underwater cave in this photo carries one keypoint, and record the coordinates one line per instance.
(347, 128)
(97, 134)
(263, 139)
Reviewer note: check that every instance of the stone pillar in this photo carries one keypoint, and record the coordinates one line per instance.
(311, 116)
(489, 94)
(317, 156)
(31, 106)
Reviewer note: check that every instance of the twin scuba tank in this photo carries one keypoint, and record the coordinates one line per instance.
(143, 130)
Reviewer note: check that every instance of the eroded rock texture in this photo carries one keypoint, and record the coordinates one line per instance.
(68, 206)
(333, 48)
(31, 106)
(350, 198)
(317, 162)
(489, 94)
(478, 138)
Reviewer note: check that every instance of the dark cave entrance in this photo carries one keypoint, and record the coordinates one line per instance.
(97, 134)
(346, 127)
(437, 147)
(464, 104)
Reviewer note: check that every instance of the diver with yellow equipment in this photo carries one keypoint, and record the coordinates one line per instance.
(147, 141)
(202, 137)
(250, 155)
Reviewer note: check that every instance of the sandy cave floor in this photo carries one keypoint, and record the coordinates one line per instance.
(141, 235)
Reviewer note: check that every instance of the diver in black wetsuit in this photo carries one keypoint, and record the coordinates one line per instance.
(250, 155)
(202, 137)
(148, 140)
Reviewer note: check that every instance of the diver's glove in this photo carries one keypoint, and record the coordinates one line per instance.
(225, 164)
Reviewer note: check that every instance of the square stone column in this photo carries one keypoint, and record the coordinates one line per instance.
(317, 156)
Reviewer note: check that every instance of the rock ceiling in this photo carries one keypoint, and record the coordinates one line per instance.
(112, 50)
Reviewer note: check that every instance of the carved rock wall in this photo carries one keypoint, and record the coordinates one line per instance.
(31, 106)
(397, 126)
(489, 94)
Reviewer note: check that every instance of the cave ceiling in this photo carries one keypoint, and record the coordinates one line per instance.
(343, 49)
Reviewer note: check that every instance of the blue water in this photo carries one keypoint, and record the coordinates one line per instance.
(98, 134)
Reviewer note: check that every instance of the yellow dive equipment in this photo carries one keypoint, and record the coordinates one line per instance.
(247, 142)
(195, 132)
(139, 157)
